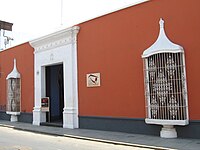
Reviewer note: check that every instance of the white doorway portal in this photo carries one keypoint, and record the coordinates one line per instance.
(50, 50)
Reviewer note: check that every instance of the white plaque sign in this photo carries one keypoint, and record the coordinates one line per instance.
(93, 79)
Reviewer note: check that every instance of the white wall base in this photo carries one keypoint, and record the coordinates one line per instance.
(168, 131)
(38, 116)
(68, 118)
(13, 117)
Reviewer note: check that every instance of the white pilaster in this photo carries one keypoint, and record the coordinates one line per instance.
(38, 116)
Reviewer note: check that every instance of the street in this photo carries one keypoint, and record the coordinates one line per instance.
(11, 139)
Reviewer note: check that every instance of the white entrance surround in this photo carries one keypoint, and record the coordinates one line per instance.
(57, 48)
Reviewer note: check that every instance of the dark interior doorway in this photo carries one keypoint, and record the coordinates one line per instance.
(55, 92)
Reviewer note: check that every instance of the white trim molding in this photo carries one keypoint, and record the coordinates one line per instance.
(166, 122)
(57, 48)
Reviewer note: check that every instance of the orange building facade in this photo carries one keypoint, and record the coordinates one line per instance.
(112, 46)
(24, 55)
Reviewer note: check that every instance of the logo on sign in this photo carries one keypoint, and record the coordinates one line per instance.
(93, 79)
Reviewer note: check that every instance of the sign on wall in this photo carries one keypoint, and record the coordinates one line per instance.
(45, 104)
(93, 79)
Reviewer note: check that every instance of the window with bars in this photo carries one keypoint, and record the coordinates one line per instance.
(165, 83)
(13, 95)
(13, 90)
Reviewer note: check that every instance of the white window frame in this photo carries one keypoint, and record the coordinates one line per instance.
(162, 46)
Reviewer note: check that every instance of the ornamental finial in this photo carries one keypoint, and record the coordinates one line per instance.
(161, 22)
(14, 73)
(15, 63)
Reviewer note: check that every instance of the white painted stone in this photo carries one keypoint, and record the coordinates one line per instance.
(13, 116)
(168, 131)
(53, 49)
(38, 116)
(69, 116)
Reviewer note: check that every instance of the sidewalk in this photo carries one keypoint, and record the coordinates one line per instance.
(138, 140)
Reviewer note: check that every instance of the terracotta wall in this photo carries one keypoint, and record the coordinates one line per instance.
(113, 44)
(24, 56)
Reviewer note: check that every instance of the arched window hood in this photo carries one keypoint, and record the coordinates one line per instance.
(162, 44)
(14, 74)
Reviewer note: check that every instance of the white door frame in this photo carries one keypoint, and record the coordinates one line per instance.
(56, 48)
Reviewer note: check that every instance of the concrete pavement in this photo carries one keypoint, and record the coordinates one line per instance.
(127, 139)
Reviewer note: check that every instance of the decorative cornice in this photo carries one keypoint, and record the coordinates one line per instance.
(57, 39)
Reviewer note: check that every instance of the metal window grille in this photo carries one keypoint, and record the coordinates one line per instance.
(165, 86)
(13, 95)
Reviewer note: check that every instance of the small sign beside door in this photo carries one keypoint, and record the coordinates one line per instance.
(93, 79)
(45, 104)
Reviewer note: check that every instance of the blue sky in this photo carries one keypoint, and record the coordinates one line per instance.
(35, 18)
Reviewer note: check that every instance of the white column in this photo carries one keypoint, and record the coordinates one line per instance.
(69, 109)
(75, 79)
(38, 116)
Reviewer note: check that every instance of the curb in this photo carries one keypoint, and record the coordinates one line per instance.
(116, 142)
(87, 138)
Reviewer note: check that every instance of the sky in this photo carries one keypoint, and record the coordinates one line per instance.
(35, 18)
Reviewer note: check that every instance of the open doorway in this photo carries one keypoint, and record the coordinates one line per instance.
(55, 92)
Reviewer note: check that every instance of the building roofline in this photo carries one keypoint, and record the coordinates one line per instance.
(12, 47)
(113, 11)
(78, 23)
(75, 25)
